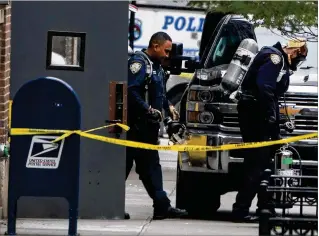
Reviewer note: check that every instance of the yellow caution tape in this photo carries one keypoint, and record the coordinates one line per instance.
(125, 127)
(181, 148)
(66, 133)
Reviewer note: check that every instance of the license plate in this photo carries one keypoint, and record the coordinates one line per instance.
(290, 172)
(292, 182)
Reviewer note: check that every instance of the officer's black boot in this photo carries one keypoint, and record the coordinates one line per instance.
(127, 216)
(271, 210)
(170, 212)
(241, 216)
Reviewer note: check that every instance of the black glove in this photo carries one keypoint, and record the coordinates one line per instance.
(154, 116)
(175, 130)
(289, 126)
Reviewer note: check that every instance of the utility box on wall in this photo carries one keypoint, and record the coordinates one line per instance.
(79, 46)
(117, 105)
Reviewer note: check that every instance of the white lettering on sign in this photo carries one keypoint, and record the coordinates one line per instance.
(183, 26)
(43, 154)
(190, 24)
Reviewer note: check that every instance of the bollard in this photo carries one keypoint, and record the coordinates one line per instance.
(38, 167)
(265, 199)
(264, 224)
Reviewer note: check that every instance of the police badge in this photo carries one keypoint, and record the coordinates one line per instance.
(275, 58)
(135, 67)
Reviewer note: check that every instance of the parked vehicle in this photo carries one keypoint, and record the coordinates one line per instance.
(202, 177)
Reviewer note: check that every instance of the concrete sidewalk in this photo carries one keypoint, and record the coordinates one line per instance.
(85, 227)
(139, 205)
(133, 227)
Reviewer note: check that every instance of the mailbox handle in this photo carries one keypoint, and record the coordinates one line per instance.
(112, 121)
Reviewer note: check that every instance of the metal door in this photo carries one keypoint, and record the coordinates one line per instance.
(84, 44)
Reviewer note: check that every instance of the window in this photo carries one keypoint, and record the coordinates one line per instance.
(231, 36)
(65, 51)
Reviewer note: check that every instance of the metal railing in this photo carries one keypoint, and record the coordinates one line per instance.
(297, 202)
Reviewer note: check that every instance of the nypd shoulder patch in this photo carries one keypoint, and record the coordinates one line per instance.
(275, 58)
(135, 67)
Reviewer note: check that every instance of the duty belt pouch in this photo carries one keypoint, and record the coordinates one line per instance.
(245, 97)
(248, 102)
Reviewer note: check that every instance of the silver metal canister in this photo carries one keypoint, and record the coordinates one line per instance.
(286, 159)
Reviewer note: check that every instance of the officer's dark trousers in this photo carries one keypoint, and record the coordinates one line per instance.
(147, 163)
(256, 160)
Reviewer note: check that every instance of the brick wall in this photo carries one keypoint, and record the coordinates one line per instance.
(5, 49)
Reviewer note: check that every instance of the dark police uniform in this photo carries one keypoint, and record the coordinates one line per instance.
(258, 111)
(146, 74)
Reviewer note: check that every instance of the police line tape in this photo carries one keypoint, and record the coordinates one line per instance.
(180, 148)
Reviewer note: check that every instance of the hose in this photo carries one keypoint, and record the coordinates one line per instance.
(288, 126)
(291, 126)
(286, 108)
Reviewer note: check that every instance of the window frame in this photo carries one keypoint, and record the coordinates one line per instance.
(212, 49)
(80, 35)
(210, 61)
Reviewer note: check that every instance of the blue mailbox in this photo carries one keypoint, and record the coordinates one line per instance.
(38, 167)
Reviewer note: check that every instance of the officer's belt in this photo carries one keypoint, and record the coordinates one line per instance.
(248, 95)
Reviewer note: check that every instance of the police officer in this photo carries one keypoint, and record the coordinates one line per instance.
(258, 111)
(146, 99)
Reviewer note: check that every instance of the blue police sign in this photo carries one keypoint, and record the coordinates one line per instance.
(181, 23)
(38, 167)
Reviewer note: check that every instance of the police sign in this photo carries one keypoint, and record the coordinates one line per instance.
(181, 23)
(39, 167)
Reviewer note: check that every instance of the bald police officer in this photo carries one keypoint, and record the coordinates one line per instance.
(258, 111)
(146, 100)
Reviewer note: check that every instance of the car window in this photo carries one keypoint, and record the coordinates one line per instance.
(231, 36)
